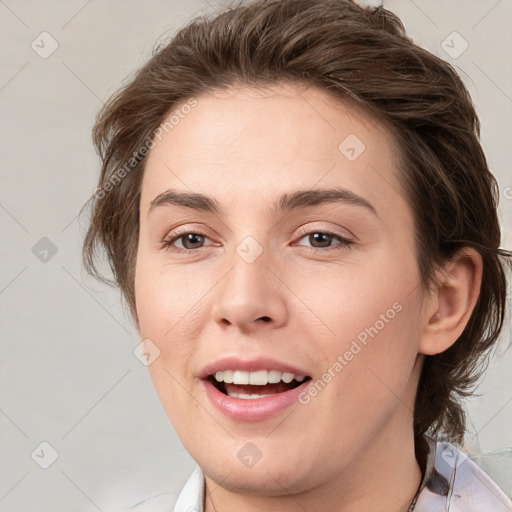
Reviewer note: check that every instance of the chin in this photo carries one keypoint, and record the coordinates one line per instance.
(266, 480)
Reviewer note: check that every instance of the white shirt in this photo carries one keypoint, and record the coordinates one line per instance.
(452, 482)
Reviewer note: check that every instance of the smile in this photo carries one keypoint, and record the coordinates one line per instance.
(255, 385)
(251, 396)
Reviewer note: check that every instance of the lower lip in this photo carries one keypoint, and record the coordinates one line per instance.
(257, 409)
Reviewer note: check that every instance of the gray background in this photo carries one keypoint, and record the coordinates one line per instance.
(68, 374)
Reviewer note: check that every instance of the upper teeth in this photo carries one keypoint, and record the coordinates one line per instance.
(258, 378)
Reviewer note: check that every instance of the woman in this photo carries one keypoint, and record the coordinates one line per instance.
(296, 206)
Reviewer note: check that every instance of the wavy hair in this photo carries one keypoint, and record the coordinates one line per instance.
(362, 56)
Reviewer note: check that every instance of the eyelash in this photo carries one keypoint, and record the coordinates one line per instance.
(345, 243)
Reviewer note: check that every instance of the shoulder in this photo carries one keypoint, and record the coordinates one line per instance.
(455, 483)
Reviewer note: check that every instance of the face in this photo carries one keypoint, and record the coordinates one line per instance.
(270, 278)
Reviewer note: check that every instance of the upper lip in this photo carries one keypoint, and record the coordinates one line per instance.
(250, 365)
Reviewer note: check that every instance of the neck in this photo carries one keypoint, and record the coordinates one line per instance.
(385, 477)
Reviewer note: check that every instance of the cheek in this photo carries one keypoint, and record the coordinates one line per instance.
(376, 358)
(372, 341)
(169, 300)
(361, 301)
(367, 370)
(167, 308)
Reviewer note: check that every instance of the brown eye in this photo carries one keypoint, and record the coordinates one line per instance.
(189, 241)
(322, 240)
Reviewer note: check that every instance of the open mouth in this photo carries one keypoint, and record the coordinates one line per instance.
(255, 385)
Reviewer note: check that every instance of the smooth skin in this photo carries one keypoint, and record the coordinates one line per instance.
(351, 448)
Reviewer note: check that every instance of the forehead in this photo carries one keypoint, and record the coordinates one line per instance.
(251, 141)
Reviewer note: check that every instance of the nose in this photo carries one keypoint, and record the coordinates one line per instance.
(250, 296)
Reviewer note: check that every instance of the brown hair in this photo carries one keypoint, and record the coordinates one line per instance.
(360, 55)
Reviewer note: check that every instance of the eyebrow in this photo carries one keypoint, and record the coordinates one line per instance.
(292, 201)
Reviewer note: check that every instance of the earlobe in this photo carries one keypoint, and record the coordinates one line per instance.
(449, 308)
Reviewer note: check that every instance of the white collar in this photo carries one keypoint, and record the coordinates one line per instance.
(459, 486)
(191, 498)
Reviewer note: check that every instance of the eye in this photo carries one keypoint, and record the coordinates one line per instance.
(190, 240)
(324, 238)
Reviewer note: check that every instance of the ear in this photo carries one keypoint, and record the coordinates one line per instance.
(448, 309)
